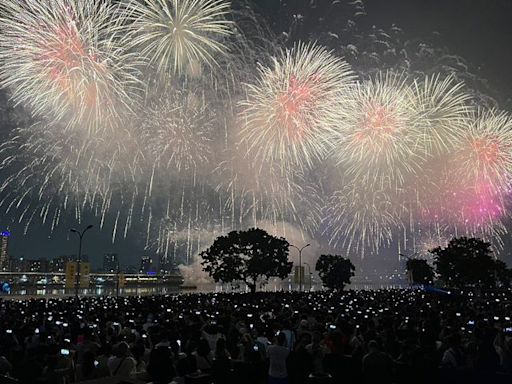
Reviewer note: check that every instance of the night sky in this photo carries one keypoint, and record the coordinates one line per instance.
(480, 31)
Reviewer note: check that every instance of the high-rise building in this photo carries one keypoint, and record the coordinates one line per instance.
(146, 264)
(110, 261)
(4, 254)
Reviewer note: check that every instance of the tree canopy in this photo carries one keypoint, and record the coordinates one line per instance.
(335, 271)
(420, 271)
(468, 262)
(250, 256)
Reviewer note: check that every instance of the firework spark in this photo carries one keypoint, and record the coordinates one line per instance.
(178, 131)
(377, 142)
(179, 36)
(360, 219)
(47, 173)
(257, 192)
(484, 154)
(442, 107)
(62, 59)
(292, 109)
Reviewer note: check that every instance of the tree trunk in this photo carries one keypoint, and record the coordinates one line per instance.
(252, 287)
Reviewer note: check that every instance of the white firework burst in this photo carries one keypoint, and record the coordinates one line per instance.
(377, 143)
(180, 36)
(178, 131)
(442, 106)
(292, 109)
(63, 59)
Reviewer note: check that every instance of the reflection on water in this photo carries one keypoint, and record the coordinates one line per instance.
(144, 290)
(97, 291)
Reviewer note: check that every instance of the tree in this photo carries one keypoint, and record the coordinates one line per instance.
(503, 274)
(250, 256)
(421, 272)
(468, 262)
(335, 271)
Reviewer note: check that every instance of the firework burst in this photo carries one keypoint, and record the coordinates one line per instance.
(360, 219)
(180, 36)
(178, 131)
(442, 107)
(47, 173)
(293, 107)
(377, 142)
(62, 59)
(484, 153)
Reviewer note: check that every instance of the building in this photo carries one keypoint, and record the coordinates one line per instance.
(39, 265)
(110, 262)
(18, 264)
(58, 264)
(4, 253)
(146, 264)
(131, 269)
(165, 265)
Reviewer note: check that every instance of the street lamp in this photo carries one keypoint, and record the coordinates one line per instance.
(79, 257)
(309, 274)
(300, 262)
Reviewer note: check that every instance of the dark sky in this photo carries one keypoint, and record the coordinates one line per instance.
(478, 30)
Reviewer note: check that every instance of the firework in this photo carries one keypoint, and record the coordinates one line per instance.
(442, 107)
(455, 205)
(294, 106)
(61, 59)
(360, 219)
(378, 142)
(178, 131)
(180, 36)
(484, 153)
(254, 192)
(47, 173)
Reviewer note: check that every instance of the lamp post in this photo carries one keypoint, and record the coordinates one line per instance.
(309, 274)
(117, 280)
(300, 262)
(79, 257)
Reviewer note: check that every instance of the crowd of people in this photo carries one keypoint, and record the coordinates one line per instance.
(382, 336)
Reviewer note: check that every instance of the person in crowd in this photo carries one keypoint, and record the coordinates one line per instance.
(87, 369)
(289, 334)
(453, 357)
(122, 363)
(221, 370)
(317, 351)
(377, 365)
(104, 354)
(299, 362)
(418, 335)
(204, 357)
(277, 356)
(161, 366)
